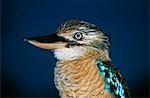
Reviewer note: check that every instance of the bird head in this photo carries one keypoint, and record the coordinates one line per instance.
(74, 39)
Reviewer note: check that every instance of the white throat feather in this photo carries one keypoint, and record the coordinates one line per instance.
(69, 53)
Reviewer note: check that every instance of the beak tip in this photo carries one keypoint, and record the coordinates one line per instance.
(25, 40)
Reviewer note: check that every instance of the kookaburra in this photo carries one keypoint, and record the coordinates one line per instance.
(84, 68)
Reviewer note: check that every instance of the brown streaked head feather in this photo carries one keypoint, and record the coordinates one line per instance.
(74, 25)
(94, 36)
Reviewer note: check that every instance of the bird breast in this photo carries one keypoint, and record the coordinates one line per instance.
(79, 78)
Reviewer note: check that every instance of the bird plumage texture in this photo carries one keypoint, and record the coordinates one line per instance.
(80, 78)
(114, 81)
(84, 68)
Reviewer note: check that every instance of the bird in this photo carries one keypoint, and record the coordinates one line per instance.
(84, 68)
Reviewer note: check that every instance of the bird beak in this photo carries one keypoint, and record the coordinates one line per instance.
(49, 42)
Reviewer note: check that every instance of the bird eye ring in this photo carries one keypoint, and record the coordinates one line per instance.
(78, 36)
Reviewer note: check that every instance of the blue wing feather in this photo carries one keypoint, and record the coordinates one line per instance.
(113, 79)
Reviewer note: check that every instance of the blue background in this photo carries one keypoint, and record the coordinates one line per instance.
(28, 71)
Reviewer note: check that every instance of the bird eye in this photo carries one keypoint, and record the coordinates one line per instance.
(78, 36)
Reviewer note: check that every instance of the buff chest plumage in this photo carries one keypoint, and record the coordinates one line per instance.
(84, 68)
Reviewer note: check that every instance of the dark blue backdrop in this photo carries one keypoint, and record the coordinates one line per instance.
(28, 71)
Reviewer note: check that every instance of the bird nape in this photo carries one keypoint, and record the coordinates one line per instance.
(84, 68)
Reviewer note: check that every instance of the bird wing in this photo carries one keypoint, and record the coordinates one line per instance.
(113, 79)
